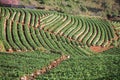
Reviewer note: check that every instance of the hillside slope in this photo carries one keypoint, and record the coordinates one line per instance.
(31, 39)
(30, 29)
(78, 7)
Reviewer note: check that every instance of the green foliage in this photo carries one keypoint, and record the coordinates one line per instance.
(97, 67)
(2, 37)
(9, 36)
(15, 65)
(16, 37)
(22, 37)
(100, 66)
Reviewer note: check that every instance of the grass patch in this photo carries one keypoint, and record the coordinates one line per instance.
(13, 66)
(104, 66)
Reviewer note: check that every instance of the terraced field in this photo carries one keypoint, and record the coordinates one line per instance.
(27, 30)
(29, 26)
(24, 30)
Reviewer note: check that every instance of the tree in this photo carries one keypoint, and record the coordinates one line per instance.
(13, 2)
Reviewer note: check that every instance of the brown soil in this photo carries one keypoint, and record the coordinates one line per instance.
(99, 48)
(10, 51)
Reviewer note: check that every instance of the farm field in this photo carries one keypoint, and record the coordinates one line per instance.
(68, 47)
(96, 67)
(13, 66)
(104, 66)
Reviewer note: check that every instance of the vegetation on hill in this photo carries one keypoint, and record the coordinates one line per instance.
(15, 65)
(32, 41)
(78, 7)
(96, 67)
(103, 66)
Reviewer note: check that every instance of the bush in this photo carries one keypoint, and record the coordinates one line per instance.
(83, 8)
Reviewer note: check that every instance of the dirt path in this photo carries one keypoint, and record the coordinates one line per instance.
(45, 69)
(99, 48)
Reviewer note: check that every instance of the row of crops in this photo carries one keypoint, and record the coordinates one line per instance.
(18, 33)
(31, 29)
(90, 31)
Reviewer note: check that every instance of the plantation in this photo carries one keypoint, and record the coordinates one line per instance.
(31, 39)
(98, 67)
